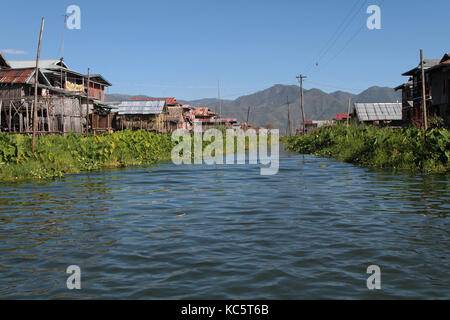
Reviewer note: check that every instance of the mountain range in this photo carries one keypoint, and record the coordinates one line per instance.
(270, 106)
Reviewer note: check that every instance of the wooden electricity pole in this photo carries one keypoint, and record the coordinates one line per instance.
(87, 102)
(348, 111)
(36, 83)
(248, 114)
(220, 101)
(301, 77)
(289, 117)
(424, 95)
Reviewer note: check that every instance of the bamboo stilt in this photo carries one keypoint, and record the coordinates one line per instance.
(9, 122)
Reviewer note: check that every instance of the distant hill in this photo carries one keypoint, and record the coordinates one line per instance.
(269, 106)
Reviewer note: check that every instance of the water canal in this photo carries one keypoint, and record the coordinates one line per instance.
(226, 232)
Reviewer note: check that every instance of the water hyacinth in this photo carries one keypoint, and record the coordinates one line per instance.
(57, 155)
(409, 148)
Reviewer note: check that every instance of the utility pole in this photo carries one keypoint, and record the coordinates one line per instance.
(87, 102)
(348, 112)
(62, 45)
(289, 118)
(36, 83)
(424, 95)
(63, 36)
(301, 77)
(248, 114)
(220, 101)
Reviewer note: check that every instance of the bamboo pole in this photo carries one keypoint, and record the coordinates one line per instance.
(63, 117)
(348, 111)
(36, 82)
(53, 116)
(302, 101)
(48, 117)
(9, 122)
(424, 95)
(87, 103)
(27, 123)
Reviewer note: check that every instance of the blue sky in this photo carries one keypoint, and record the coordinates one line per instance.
(182, 48)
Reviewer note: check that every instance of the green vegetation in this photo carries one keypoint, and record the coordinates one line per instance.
(58, 155)
(74, 153)
(411, 149)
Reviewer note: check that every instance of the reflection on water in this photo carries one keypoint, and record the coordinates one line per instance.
(212, 232)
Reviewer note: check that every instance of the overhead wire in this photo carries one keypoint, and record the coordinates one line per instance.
(336, 35)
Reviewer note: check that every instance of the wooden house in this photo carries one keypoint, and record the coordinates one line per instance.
(62, 96)
(439, 77)
(414, 112)
(143, 114)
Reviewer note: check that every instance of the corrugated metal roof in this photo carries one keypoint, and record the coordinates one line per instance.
(99, 78)
(427, 64)
(170, 101)
(142, 107)
(378, 111)
(16, 76)
(46, 64)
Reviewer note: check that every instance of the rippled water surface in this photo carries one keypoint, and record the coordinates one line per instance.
(213, 232)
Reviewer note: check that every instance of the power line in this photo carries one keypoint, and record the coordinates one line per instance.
(350, 40)
(334, 34)
(338, 32)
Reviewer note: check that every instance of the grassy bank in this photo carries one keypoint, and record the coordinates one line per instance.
(58, 155)
(410, 149)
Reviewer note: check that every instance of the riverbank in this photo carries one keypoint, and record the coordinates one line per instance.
(58, 155)
(409, 149)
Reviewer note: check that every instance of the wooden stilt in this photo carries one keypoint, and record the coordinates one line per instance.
(9, 122)
(48, 118)
(53, 118)
(63, 116)
(27, 127)
(20, 122)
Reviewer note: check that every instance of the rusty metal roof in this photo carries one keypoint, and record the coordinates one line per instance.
(16, 76)
(203, 112)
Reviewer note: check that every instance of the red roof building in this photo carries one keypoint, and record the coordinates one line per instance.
(341, 116)
(16, 76)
